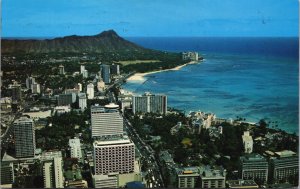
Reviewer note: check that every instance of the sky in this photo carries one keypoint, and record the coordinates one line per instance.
(155, 18)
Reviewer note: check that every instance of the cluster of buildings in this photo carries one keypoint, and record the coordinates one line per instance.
(193, 56)
(271, 167)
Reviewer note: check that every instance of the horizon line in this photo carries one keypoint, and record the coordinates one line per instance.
(52, 37)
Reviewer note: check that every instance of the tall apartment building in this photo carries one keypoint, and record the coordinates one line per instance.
(247, 142)
(254, 167)
(58, 172)
(149, 103)
(16, 94)
(115, 69)
(85, 74)
(106, 121)
(61, 69)
(90, 91)
(24, 137)
(65, 99)
(284, 164)
(82, 68)
(75, 148)
(36, 88)
(114, 155)
(48, 175)
(105, 73)
(82, 101)
(52, 169)
(29, 82)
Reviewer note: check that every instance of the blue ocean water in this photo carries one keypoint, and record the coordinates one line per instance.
(254, 78)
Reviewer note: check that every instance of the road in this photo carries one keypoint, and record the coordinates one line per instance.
(154, 178)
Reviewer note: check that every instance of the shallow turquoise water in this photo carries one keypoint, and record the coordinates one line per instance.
(249, 85)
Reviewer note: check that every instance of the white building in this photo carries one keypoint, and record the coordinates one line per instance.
(36, 88)
(100, 86)
(82, 68)
(75, 148)
(90, 91)
(61, 109)
(79, 87)
(114, 154)
(82, 101)
(58, 171)
(61, 69)
(248, 142)
(106, 120)
(85, 74)
(48, 174)
(106, 181)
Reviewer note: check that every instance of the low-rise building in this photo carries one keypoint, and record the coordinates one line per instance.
(212, 177)
(106, 181)
(241, 184)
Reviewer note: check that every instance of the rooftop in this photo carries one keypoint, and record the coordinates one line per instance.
(285, 153)
(111, 140)
(240, 182)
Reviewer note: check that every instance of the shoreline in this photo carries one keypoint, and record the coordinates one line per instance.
(140, 76)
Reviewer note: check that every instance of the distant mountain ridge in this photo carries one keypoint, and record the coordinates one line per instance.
(106, 41)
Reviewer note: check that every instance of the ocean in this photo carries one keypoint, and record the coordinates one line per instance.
(253, 78)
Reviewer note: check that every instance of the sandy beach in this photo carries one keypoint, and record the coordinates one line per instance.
(140, 76)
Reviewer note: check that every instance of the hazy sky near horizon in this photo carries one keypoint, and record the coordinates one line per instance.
(45, 18)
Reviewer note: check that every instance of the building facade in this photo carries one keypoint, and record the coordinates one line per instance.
(90, 91)
(58, 171)
(61, 69)
(75, 148)
(29, 82)
(105, 73)
(254, 167)
(115, 69)
(65, 99)
(36, 88)
(7, 173)
(82, 101)
(106, 121)
(247, 142)
(284, 165)
(149, 103)
(48, 175)
(114, 155)
(24, 137)
(106, 181)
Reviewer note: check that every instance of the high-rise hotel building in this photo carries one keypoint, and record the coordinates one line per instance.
(106, 121)
(149, 103)
(114, 155)
(24, 137)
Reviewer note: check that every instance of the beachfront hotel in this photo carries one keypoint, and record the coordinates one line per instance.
(149, 103)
